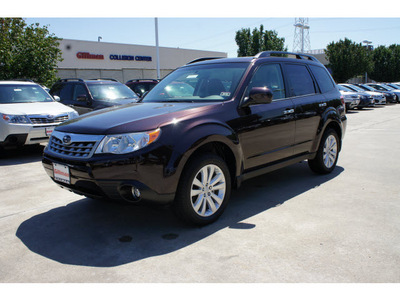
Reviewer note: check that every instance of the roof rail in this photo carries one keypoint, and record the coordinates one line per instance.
(137, 80)
(70, 79)
(296, 54)
(111, 79)
(202, 59)
(22, 79)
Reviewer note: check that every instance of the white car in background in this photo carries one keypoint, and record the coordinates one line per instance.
(28, 114)
(351, 99)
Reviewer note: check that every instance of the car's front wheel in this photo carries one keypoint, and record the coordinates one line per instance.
(204, 190)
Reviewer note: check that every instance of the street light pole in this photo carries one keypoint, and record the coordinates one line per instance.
(367, 48)
(157, 49)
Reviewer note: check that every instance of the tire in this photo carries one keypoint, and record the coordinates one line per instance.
(327, 154)
(203, 191)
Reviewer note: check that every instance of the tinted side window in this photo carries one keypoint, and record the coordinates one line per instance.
(270, 76)
(79, 90)
(324, 80)
(65, 92)
(55, 90)
(300, 80)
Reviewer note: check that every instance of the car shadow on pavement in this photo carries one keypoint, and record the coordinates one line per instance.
(22, 155)
(101, 234)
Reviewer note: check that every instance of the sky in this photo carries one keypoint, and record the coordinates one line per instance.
(212, 25)
(218, 34)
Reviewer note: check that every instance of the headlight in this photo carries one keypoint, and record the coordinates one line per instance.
(128, 142)
(15, 119)
(72, 115)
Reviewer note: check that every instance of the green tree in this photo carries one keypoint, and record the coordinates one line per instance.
(28, 51)
(252, 42)
(348, 59)
(386, 63)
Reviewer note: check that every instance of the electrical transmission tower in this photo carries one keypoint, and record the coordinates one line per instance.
(301, 41)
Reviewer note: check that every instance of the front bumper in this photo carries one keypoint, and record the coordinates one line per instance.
(366, 102)
(380, 100)
(114, 179)
(391, 98)
(350, 104)
(24, 134)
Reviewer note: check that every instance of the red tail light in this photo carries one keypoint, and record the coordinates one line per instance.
(342, 100)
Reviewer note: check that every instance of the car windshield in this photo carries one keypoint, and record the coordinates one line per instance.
(110, 91)
(201, 83)
(394, 86)
(23, 93)
(388, 87)
(367, 88)
(345, 89)
(355, 88)
(379, 88)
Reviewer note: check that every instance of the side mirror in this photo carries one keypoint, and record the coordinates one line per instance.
(56, 98)
(258, 95)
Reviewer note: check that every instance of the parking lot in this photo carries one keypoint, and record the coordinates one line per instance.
(287, 226)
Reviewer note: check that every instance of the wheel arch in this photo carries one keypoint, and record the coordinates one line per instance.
(330, 120)
(207, 138)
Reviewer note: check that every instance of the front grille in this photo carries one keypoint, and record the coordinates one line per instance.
(47, 120)
(75, 149)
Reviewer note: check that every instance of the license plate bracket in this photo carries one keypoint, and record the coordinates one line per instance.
(49, 130)
(61, 173)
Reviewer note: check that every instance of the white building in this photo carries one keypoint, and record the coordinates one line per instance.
(86, 59)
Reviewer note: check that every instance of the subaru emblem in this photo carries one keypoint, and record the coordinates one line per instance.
(67, 139)
(50, 117)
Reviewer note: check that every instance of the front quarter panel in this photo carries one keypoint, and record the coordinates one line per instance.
(191, 137)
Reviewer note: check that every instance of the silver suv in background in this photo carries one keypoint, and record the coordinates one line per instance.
(28, 114)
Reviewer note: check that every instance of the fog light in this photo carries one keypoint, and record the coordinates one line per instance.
(135, 192)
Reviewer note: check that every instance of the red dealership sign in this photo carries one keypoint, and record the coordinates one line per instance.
(87, 55)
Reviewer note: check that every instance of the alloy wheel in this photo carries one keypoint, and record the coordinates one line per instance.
(330, 151)
(208, 190)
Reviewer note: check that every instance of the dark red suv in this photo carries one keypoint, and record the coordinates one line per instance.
(202, 130)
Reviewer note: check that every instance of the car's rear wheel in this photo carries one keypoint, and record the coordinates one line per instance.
(327, 154)
(204, 190)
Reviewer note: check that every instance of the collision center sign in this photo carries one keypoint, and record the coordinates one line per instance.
(130, 57)
(87, 55)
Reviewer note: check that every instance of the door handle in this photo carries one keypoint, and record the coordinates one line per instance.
(288, 111)
(322, 104)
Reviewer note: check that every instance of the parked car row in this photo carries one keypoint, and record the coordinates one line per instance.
(369, 94)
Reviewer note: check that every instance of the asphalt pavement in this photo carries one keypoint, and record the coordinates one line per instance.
(287, 226)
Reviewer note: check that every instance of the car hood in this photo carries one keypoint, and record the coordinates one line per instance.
(35, 108)
(373, 93)
(135, 117)
(345, 93)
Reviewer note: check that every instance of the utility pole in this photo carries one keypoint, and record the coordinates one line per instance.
(157, 49)
(301, 41)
